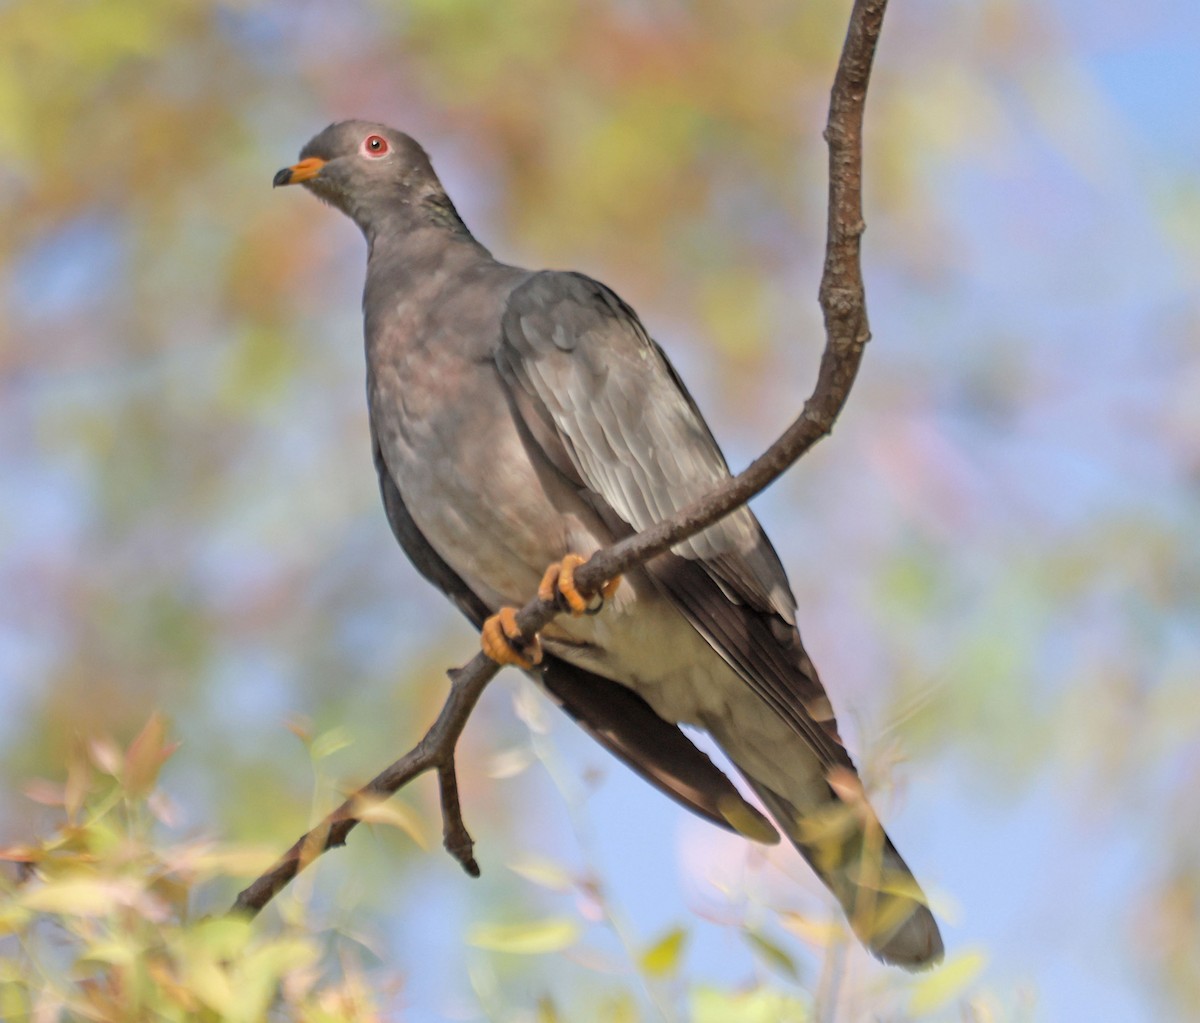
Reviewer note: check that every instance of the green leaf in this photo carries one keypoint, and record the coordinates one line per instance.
(772, 954)
(328, 743)
(257, 976)
(662, 958)
(534, 937)
(222, 937)
(947, 983)
(283, 955)
(14, 1001)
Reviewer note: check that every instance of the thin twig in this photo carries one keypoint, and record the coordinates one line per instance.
(455, 837)
(843, 304)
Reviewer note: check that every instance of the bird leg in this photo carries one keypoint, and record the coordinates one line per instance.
(558, 587)
(502, 641)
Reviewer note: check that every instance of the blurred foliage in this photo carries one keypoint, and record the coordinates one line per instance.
(101, 920)
(995, 556)
(114, 917)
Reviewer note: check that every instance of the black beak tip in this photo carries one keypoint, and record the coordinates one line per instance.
(283, 177)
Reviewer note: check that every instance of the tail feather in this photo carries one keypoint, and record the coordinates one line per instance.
(849, 850)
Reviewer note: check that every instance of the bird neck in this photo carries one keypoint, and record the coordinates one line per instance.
(413, 215)
(439, 211)
(410, 254)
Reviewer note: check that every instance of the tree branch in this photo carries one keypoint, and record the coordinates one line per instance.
(843, 304)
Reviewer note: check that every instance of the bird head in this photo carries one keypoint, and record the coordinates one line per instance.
(368, 171)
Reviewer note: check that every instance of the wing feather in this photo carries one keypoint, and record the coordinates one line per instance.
(598, 394)
(613, 715)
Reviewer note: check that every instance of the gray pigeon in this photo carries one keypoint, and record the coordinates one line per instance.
(521, 420)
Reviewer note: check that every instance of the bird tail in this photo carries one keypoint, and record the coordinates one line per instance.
(852, 854)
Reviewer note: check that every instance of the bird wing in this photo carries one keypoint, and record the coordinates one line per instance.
(608, 410)
(613, 715)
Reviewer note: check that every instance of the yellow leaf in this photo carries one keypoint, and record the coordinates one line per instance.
(13, 919)
(394, 813)
(543, 872)
(14, 1001)
(710, 1005)
(662, 958)
(76, 896)
(534, 937)
(948, 982)
(620, 1009)
(118, 953)
(509, 763)
(228, 861)
(820, 933)
(205, 978)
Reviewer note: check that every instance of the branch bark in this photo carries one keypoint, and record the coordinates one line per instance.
(843, 305)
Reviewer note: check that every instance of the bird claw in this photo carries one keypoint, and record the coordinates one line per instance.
(502, 640)
(558, 588)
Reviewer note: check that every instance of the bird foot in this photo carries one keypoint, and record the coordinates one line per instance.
(502, 641)
(558, 587)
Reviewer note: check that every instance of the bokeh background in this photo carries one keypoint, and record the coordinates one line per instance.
(996, 554)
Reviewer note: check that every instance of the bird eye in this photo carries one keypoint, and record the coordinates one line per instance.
(374, 145)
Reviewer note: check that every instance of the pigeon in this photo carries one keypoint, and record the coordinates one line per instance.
(520, 421)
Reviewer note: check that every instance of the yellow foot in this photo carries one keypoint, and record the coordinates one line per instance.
(502, 641)
(559, 581)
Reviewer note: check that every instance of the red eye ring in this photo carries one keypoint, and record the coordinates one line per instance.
(375, 146)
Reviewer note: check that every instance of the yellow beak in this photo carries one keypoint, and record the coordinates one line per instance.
(297, 172)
